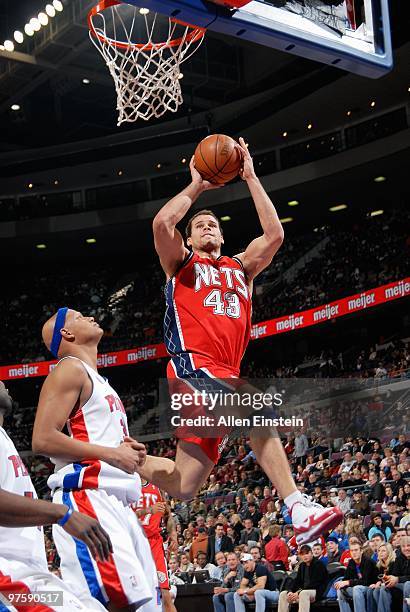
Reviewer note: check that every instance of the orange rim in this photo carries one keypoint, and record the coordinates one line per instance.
(196, 33)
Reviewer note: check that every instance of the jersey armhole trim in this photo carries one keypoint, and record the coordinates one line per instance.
(79, 407)
(239, 262)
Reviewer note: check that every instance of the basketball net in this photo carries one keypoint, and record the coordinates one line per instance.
(146, 74)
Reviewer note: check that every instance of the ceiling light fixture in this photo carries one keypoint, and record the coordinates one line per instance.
(35, 24)
(338, 207)
(91, 240)
(226, 218)
(286, 220)
(28, 29)
(15, 107)
(86, 81)
(293, 203)
(18, 36)
(144, 11)
(41, 246)
(50, 10)
(284, 134)
(380, 179)
(376, 213)
(9, 45)
(58, 5)
(43, 18)
(309, 127)
(30, 185)
(372, 104)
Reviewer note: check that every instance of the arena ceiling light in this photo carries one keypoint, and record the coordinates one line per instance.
(293, 203)
(226, 218)
(376, 213)
(8, 45)
(58, 5)
(15, 107)
(86, 81)
(35, 24)
(144, 11)
(18, 36)
(50, 10)
(380, 179)
(286, 220)
(28, 30)
(41, 246)
(43, 19)
(338, 207)
(91, 240)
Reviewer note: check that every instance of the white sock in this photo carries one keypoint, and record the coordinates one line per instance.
(291, 499)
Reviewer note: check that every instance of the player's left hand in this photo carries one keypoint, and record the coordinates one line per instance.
(138, 446)
(247, 171)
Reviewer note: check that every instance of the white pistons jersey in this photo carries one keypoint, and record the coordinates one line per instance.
(19, 543)
(102, 420)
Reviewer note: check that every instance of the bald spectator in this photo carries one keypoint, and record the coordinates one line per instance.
(375, 493)
(343, 501)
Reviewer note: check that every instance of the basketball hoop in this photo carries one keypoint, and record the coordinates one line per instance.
(146, 74)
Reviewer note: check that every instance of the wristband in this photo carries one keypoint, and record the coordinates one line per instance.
(65, 518)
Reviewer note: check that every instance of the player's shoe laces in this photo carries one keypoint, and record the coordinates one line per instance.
(310, 519)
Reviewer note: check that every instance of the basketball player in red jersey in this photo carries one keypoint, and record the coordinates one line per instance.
(207, 328)
(152, 510)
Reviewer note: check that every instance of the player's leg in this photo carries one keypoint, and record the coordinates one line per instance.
(167, 603)
(183, 477)
(309, 519)
(111, 582)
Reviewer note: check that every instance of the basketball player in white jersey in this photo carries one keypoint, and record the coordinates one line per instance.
(24, 572)
(95, 469)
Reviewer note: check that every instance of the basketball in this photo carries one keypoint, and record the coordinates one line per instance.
(218, 159)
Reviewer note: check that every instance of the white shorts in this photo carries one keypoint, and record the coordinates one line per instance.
(129, 576)
(21, 584)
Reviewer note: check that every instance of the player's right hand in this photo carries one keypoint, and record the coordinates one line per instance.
(198, 180)
(89, 531)
(125, 457)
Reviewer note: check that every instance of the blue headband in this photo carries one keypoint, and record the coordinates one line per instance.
(56, 340)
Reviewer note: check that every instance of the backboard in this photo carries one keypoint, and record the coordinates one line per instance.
(353, 35)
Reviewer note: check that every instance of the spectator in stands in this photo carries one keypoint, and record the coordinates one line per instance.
(232, 578)
(199, 544)
(405, 520)
(333, 552)
(267, 497)
(237, 526)
(270, 514)
(393, 515)
(347, 463)
(397, 580)
(308, 586)
(361, 572)
(301, 446)
(276, 551)
(339, 533)
(354, 526)
(253, 513)
(256, 553)
(359, 503)
(256, 577)
(218, 543)
(379, 526)
(398, 480)
(317, 552)
(249, 533)
(264, 527)
(185, 565)
(343, 501)
(202, 563)
(376, 492)
(220, 561)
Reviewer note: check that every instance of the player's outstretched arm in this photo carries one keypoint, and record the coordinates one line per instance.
(59, 395)
(169, 243)
(260, 252)
(20, 511)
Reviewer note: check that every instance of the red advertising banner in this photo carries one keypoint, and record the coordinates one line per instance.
(305, 318)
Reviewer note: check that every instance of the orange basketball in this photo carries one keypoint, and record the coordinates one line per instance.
(217, 158)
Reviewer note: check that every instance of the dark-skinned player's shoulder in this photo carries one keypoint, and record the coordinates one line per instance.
(68, 370)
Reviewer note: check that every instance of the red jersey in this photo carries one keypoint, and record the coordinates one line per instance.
(208, 311)
(151, 523)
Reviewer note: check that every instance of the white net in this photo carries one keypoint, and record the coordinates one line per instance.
(143, 53)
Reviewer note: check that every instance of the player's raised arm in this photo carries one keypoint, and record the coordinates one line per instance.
(60, 393)
(169, 243)
(260, 252)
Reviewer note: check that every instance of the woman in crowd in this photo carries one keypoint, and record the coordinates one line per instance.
(270, 512)
(386, 556)
(377, 525)
(264, 526)
(185, 565)
(237, 525)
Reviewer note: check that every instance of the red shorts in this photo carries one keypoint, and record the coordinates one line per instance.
(190, 376)
(158, 554)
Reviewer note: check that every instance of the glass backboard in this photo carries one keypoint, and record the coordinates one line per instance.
(353, 35)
